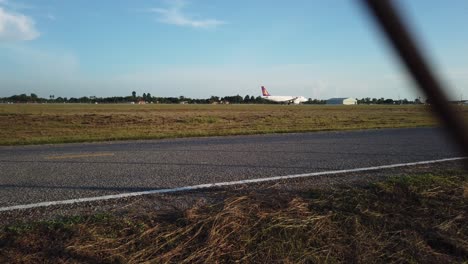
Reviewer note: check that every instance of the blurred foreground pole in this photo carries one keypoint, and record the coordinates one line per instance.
(392, 24)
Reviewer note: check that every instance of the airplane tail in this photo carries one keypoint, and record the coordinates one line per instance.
(265, 92)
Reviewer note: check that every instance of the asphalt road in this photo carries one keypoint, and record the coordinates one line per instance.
(31, 174)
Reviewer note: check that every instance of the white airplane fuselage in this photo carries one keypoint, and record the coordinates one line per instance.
(286, 99)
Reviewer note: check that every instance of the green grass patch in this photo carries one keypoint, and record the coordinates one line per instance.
(64, 123)
(418, 218)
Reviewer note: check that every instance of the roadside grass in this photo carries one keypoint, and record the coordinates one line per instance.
(63, 123)
(419, 218)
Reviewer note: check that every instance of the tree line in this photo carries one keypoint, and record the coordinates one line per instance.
(404, 101)
(148, 98)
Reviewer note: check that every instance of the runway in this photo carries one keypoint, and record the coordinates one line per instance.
(35, 174)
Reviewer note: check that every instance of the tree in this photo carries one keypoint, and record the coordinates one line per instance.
(23, 97)
(214, 99)
(144, 96)
(134, 94)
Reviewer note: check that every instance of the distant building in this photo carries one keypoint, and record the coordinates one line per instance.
(342, 101)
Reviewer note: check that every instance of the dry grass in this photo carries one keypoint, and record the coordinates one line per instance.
(36, 124)
(420, 219)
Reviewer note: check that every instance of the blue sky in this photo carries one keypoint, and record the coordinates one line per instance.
(199, 48)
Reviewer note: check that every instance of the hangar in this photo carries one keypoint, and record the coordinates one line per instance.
(342, 101)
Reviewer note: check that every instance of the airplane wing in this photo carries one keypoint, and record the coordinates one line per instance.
(292, 100)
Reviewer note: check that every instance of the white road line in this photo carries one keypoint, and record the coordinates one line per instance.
(219, 184)
(74, 156)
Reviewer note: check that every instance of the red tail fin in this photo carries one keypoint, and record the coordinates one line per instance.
(265, 92)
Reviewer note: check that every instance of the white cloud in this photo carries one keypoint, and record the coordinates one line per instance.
(15, 26)
(174, 15)
(51, 17)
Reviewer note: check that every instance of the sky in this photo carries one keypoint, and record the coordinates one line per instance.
(199, 48)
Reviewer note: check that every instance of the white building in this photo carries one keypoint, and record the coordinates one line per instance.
(342, 101)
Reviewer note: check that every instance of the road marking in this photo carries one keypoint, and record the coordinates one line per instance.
(220, 184)
(73, 156)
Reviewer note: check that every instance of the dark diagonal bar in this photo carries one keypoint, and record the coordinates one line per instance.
(399, 36)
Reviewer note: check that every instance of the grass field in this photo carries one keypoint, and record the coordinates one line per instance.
(59, 123)
(418, 218)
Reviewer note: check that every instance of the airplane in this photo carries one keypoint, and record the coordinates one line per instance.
(282, 99)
